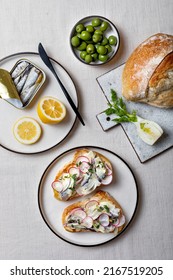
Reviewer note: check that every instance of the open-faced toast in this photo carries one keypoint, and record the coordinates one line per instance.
(99, 213)
(87, 171)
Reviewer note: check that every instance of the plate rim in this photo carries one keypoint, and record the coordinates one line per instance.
(61, 155)
(39, 152)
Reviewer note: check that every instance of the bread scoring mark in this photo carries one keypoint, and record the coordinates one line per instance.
(142, 64)
(143, 74)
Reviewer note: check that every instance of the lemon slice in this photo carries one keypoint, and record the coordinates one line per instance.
(51, 110)
(27, 130)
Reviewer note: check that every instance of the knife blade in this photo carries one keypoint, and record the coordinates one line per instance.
(48, 63)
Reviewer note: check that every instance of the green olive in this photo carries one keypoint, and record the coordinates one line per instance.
(94, 56)
(88, 58)
(103, 57)
(97, 31)
(75, 41)
(104, 26)
(80, 27)
(112, 40)
(90, 48)
(96, 38)
(96, 46)
(83, 54)
(82, 46)
(90, 28)
(78, 35)
(101, 49)
(109, 48)
(85, 35)
(104, 41)
(96, 22)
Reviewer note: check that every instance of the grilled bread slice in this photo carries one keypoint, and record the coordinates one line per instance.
(86, 171)
(99, 213)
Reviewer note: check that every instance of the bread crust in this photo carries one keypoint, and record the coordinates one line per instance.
(72, 163)
(100, 196)
(160, 87)
(141, 65)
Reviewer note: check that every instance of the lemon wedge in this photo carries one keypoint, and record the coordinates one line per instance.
(27, 130)
(51, 110)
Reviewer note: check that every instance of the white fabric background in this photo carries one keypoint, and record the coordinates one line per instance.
(23, 233)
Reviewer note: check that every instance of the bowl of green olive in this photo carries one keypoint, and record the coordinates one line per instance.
(94, 40)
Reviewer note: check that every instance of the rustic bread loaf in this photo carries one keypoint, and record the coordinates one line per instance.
(148, 73)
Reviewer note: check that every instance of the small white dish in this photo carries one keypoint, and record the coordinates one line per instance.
(112, 30)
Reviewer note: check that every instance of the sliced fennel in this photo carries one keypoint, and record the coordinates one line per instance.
(147, 130)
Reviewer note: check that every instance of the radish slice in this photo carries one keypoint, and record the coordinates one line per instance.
(104, 220)
(74, 170)
(75, 209)
(57, 186)
(79, 213)
(87, 222)
(91, 203)
(107, 180)
(84, 166)
(122, 221)
(79, 180)
(81, 159)
(116, 224)
(108, 170)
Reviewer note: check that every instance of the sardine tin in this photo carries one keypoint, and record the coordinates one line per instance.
(19, 86)
(28, 79)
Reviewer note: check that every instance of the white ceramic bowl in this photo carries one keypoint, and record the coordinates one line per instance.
(112, 30)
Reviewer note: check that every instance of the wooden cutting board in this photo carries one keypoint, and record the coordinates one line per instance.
(164, 117)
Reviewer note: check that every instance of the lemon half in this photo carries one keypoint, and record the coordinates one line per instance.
(27, 130)
(51, 110)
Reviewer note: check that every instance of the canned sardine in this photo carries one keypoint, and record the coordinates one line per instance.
(28, 79)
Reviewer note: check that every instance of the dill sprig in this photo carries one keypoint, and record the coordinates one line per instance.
(118, 107)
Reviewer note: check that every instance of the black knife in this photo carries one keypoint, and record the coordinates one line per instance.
(48, 63)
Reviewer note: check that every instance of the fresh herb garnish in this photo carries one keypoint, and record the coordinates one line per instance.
(74, 176)
(90, 170)
(106, 208)
(97, 225)
(72, 189)
(100, 208)
(67, 176)
(79, 163)
(118, 107)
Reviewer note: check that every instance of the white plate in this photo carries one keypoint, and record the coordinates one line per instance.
(52, 134)
(123, 188)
